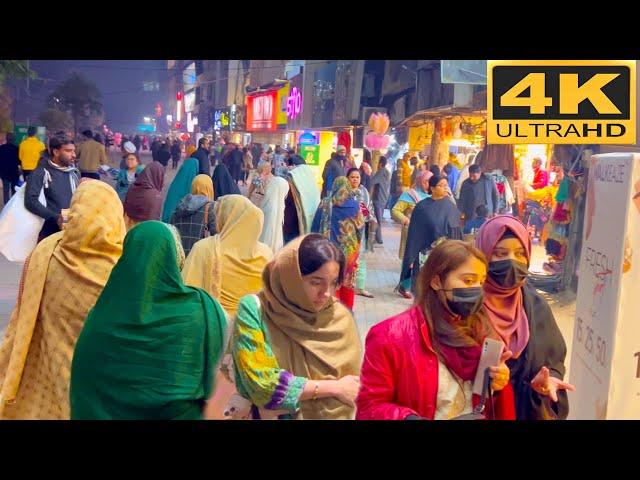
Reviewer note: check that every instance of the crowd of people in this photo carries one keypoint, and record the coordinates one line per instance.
(205, 303)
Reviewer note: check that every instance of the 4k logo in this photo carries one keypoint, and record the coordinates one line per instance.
(548, 101)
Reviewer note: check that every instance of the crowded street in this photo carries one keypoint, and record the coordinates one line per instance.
(319, 240)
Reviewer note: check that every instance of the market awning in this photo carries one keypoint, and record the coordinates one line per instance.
(431, 114)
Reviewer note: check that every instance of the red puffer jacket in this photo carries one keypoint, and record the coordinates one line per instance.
(399, 375)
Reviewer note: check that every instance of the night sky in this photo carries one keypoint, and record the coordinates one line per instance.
(121, 82)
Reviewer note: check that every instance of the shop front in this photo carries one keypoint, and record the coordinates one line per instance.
(228, 125)
(266, 118)
(551, 209)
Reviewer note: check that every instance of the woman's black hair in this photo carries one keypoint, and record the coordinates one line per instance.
(316, 250)
(134, 154)
(508, 233)
(434, 180)
(353, 169)
(435, 169)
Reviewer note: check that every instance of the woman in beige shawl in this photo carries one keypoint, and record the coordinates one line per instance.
(60, 283)
(296, 350)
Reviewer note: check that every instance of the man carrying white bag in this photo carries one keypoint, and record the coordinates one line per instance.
(34, 212)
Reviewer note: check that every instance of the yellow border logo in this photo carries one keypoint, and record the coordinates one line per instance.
(561, 101)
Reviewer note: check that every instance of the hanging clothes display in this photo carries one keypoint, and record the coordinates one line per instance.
(494, 157)
(505, 194)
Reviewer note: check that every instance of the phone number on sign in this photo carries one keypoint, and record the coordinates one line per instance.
(594, 345)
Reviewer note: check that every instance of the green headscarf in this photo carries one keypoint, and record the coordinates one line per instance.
(150, 346)
(180, 187)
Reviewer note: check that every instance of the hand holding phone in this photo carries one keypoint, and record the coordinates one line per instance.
(490, 357)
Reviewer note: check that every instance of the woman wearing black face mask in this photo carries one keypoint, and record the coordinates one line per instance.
(524, 321)
(421, 363)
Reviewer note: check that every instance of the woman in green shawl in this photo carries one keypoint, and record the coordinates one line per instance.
(150, 346)
(180, 187)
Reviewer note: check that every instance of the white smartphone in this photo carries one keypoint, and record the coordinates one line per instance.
(490, 357)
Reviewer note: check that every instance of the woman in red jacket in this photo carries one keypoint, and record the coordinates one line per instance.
(421, 363)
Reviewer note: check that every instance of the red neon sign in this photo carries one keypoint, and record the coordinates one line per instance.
(179, 96)
(262, 111)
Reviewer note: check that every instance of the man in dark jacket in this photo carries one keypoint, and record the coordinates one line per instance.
(9, 167)
(333, 169)
(478, 189)
(380, 185)
(155, 146)
(202, 154)
(176, 152)
(236, 164)
(164, 154)
(59, 178)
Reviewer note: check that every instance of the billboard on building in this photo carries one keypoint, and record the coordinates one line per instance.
(262, 111)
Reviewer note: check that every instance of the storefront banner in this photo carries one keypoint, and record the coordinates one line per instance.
(607, 332)
(283, 97)
(310, 153)
(262, 111)
(624, 400)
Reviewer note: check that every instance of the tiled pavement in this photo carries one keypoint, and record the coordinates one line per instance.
(383, 269)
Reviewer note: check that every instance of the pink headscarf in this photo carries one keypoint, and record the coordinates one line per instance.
(505, 305)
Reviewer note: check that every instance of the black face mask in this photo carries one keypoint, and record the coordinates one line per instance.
(466, 301)
(508, 273)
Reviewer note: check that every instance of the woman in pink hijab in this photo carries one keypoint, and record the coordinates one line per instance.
(524, 321)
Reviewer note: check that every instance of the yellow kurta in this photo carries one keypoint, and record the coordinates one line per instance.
(61, 282)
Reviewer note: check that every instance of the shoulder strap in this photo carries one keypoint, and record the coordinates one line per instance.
(206, 215)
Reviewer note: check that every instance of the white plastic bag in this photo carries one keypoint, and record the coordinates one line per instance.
(19, 228)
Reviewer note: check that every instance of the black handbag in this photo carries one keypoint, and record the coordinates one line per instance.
(487, 395)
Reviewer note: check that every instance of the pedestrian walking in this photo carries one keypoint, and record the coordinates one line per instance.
(380, 185)
(194, 217)
(339, 219)
(163, 156)
(236, 164)
(524, 321)
(273, 209)
(58, 178)
(361, 195)
(296, 350)
(406, 203)
(223, 183)
(234, 254)
(180, 186)
(421, 364)
(30, 152)
(202, 155)
(91, 156)
(127, 176)
(478, 189)
(432, 219)
(176, 152)
(62, 280)
(9, 167)
(144, 198)
(123, 366)
(247, 161)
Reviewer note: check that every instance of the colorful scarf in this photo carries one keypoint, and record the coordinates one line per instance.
(341, 221)
(504, 305)
(180, 187)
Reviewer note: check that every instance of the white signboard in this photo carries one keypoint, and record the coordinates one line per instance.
(607, 331)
